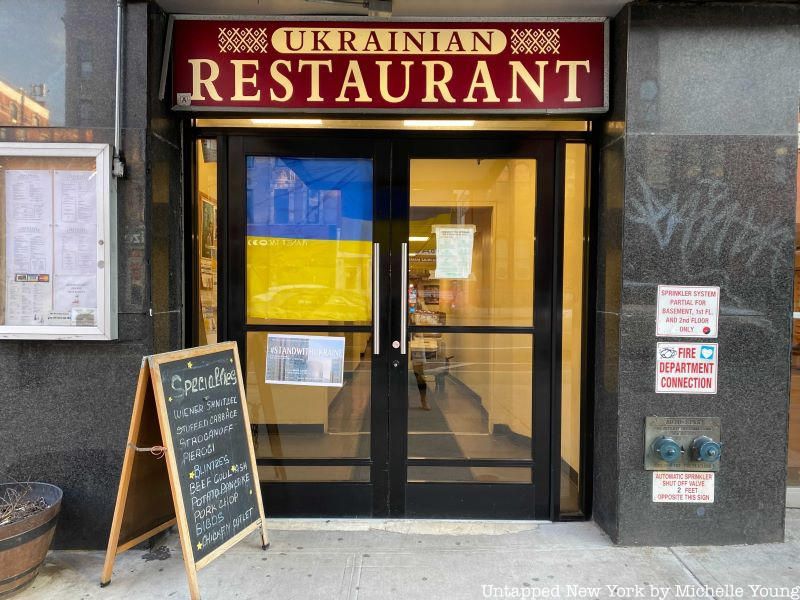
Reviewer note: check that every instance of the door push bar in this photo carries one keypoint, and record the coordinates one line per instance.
(404, 299)
(376, 298)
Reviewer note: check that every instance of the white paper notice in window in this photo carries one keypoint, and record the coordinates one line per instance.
(453, 251)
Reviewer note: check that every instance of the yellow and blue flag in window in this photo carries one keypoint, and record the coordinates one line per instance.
(309, 239)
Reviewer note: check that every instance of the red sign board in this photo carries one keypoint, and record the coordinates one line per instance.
(500, 67)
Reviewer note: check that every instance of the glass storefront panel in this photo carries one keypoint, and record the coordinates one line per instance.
(309, 240)
(471, 259)
(55, 71)
(206, 241)
(421, 474)
(470, 395)
(313, 473)
(308, 421)
(33, 69)
(470, 292)
(575, 195)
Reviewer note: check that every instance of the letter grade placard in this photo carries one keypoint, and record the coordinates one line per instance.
(189, 459)
(495, 66)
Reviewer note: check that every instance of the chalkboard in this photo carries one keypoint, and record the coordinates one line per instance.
(189, 459)
(210, 440)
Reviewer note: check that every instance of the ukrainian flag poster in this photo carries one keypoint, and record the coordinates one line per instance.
(309, 239)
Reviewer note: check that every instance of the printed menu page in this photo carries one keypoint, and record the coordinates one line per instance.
(29, 246)
(209, 433)
(51, 247)
(75, 237)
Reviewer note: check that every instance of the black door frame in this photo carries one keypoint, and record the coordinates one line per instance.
(475, 500)
(302, 499)
(374, 499)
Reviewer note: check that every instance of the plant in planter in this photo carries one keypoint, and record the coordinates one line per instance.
(28, 515)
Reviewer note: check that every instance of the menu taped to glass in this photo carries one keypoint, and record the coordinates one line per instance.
(208, 430)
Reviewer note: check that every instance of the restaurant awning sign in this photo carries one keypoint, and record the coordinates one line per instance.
(368, 66)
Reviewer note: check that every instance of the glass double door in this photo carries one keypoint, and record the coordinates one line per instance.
(391, 297)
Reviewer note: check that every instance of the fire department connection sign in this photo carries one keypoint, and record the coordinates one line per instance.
(678, 486)
(687, 311)
(686, 368)
(384, 66)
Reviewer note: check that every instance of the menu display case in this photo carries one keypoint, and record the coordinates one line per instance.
(58, 242)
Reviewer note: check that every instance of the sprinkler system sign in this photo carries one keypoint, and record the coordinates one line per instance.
(687, 311)
(686, 368)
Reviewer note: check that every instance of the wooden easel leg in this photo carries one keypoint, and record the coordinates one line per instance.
(125, 478)
(264, 536)
(194, 588)
(108, 567)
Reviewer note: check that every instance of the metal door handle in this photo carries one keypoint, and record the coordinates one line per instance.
(376, 298)
(404, 300)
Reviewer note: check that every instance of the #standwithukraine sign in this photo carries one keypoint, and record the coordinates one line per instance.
(525, 67)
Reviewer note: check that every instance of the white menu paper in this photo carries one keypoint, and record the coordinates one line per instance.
(76, 250)
(29, 217)
(75, 197)
(75, 240)
(29, 246)
(29, 197)
(74, 292)
(27, 302)
(51, 247)
(28, 249)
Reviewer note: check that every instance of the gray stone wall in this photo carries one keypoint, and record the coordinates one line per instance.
(167, 207)
(698, 168)
(66, 405)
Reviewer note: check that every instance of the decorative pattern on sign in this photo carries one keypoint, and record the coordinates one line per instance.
(242, 39)
(535, 41)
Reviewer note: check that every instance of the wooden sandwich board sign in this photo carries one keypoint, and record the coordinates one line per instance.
(189, 459)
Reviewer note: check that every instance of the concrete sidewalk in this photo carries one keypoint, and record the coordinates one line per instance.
(349, 559)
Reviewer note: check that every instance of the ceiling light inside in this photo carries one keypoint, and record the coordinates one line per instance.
(439, 123)
(286, 121)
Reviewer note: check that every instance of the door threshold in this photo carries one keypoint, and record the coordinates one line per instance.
(410, 526)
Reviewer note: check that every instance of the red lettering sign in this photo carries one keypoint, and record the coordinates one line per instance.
(384, 66)
(686, 368)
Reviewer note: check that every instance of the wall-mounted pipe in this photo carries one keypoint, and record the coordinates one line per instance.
(118, 163)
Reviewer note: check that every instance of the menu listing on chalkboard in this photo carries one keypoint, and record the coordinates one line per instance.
(211, 450)
(189, 410)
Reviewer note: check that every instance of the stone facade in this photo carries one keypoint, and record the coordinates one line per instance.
(697, 177)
